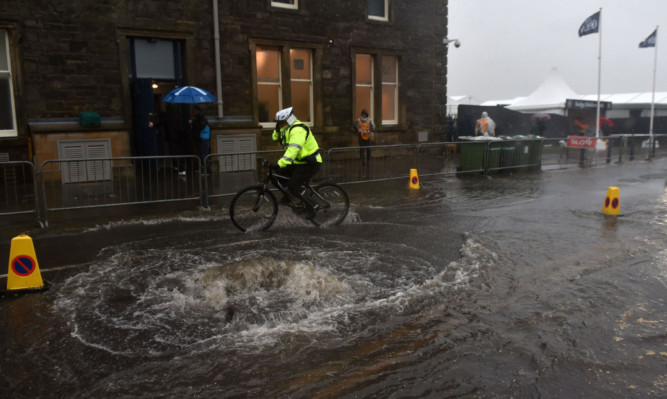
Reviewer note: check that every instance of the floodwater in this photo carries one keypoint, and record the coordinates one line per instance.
(509, 286)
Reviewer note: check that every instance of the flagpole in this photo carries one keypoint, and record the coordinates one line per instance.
(655, 65)
(597, 120)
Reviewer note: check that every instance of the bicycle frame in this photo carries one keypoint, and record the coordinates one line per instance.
(325, 204)
(276, 180)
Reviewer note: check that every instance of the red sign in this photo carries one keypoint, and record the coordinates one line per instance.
(581, 142)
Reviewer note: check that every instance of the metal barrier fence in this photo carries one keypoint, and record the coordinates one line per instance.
(18, 189)
(104, 182)
(345, 165)
(616, 148)
(235, 171)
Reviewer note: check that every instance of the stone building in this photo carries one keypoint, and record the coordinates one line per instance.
(63, 62)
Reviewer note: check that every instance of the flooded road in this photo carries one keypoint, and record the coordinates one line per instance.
(510, 286)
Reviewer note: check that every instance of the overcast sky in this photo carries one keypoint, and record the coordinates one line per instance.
(508, 47)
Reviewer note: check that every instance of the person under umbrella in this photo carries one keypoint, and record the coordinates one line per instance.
(201, 133)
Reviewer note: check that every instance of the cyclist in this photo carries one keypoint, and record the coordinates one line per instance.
(301, 160)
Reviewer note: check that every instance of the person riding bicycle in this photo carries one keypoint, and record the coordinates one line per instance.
(301, 160)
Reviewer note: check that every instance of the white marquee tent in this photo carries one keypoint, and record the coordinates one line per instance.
(551, 95)
(548, 98)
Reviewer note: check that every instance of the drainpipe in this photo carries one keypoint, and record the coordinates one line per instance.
(218, 71)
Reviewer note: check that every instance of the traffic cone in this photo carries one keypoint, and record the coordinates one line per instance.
(414, 179)
(23, 272)
(612, 203)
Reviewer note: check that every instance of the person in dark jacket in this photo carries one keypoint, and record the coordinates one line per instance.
(201, 134)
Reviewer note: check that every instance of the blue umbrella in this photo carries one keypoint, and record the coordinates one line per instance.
(189, 95)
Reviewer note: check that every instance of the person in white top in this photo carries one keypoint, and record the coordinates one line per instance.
(485, 126)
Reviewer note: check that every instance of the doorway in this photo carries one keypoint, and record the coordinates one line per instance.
(156, 68)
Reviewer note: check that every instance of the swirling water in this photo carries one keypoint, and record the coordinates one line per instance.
(474, 287)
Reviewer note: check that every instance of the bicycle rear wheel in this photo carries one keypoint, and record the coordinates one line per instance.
(333, 204)
(253, 209)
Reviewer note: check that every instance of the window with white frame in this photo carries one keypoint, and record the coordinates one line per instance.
(271, 95)
(363, 86)
(389, 90)
(378, 10)
(7, 106)
(293, 4)
(301, 79)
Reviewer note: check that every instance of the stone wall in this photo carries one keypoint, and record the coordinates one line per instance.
(72, 55)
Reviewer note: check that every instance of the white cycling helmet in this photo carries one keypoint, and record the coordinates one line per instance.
(286, 115)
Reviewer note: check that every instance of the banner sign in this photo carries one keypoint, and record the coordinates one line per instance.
(585, 104)
(581, 142)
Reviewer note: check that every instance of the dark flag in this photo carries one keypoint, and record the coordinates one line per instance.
(650, 41)
(590, 25)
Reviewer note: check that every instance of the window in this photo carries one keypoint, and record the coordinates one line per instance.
(294, 4)
(363, 88)
(377, 9)
(269, 94)
(7, 107)
(156, 58)
(389, 90)
(301, 72)
(272, 96)
(376, 89)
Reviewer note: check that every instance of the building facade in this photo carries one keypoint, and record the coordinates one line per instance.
(64, 62)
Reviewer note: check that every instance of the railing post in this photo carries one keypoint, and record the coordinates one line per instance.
(35, 176)
(45, 219)
(486, 157)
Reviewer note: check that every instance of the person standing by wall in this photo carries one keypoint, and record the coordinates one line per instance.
(365, 127)
(485, 126)
(201, 133)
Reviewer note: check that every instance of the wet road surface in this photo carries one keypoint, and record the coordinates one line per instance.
(509, 286)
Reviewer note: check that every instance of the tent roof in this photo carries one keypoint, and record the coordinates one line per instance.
(629, 98)
(467, 99)
(550, 96)
(492, 103)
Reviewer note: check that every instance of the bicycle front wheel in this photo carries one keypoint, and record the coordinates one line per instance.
(333, 204)
(253, 209)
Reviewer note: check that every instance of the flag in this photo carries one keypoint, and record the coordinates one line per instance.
(590, 25)
(650, 41)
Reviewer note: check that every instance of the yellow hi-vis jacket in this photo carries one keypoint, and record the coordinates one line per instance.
(298, 142)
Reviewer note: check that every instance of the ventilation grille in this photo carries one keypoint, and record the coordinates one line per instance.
(233, 145)
(84, 171)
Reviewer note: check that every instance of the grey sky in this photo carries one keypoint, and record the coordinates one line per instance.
(508, 47)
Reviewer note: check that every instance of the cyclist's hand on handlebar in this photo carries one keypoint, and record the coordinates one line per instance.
(274, 166)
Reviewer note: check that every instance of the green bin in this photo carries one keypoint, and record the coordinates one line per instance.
(523, 151)
(472, 154)
(535, 145)
(494, 156)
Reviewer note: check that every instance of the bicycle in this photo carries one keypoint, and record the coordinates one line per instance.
(255, 207)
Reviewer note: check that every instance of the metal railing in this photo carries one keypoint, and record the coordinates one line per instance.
(18, 189)
(106, 182)
(616, 148)
(60, 185)
(234, 171)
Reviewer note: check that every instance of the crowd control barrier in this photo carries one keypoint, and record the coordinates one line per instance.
(60, 185)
